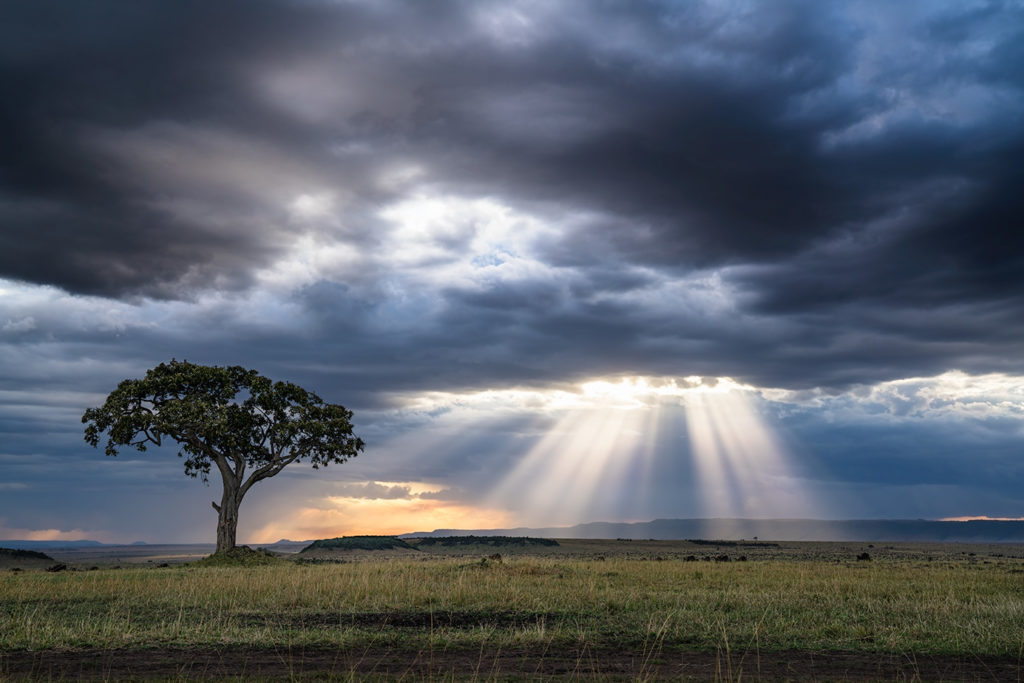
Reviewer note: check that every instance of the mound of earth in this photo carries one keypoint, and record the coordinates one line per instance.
(24, 559)
(8, 553)
(490, 541)
(239, 556)
(350, 548)
(358, 543)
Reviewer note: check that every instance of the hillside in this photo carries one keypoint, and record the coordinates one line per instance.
(869, 530)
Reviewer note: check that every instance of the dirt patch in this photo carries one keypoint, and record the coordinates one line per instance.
(547, 664)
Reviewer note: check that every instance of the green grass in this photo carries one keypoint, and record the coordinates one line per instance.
(938, 608)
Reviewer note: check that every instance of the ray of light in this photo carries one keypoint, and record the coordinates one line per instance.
(651, 428)
(611, 450)
(587, 450)
(604, 451)
(742, 466)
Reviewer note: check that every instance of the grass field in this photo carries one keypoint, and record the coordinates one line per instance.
(644, 599)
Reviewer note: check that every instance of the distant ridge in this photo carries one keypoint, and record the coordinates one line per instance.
(29, 545)
(894, 530)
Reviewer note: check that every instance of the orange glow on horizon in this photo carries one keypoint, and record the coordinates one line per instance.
(384, 517)
(55, 535)
(981, 518)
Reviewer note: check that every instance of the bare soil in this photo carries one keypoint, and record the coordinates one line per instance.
(521, 664)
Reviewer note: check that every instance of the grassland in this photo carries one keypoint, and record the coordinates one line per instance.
(645, 599)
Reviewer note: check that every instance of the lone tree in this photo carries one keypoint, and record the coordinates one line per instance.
(230, 417)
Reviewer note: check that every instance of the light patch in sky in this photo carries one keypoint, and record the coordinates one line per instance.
(46, 310)
(453, 241)
(398, 176)
(24, 534)
(25, 324)
(510, 25)
(309, 206)
(383, 490)
(620, 392)
(982, 518)
(343, 516)
(952, 394)
(311, 258)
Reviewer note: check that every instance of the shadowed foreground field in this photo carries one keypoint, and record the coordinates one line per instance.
(589, 609)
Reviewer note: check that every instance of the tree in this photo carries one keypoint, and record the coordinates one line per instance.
(229, 417)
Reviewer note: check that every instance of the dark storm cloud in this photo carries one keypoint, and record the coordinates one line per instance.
(113, 116)
(851, 173)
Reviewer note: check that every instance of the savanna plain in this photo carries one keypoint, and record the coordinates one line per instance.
(583, 609)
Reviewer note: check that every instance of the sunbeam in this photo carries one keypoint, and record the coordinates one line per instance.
(557, 480)
(603, 453)
(743, 469)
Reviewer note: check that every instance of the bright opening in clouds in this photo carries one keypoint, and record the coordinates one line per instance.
(605, 445)
(526, 243)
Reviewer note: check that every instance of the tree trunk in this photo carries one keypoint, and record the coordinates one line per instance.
(227, 512)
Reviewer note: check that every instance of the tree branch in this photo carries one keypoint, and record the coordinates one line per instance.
(271, 469)
(150, 437)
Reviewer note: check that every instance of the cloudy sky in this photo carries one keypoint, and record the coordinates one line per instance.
(566, 261)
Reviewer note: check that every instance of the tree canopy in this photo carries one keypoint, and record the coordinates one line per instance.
(246, 425)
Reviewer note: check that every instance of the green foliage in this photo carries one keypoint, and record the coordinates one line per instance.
(358, 543)
(223, 412)
(495, 541)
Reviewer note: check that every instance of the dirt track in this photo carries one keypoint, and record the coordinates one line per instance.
(586, 664)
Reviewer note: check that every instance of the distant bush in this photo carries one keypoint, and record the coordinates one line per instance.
(745, 544)
(496, 541)
(358, 543)
(24, 554)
